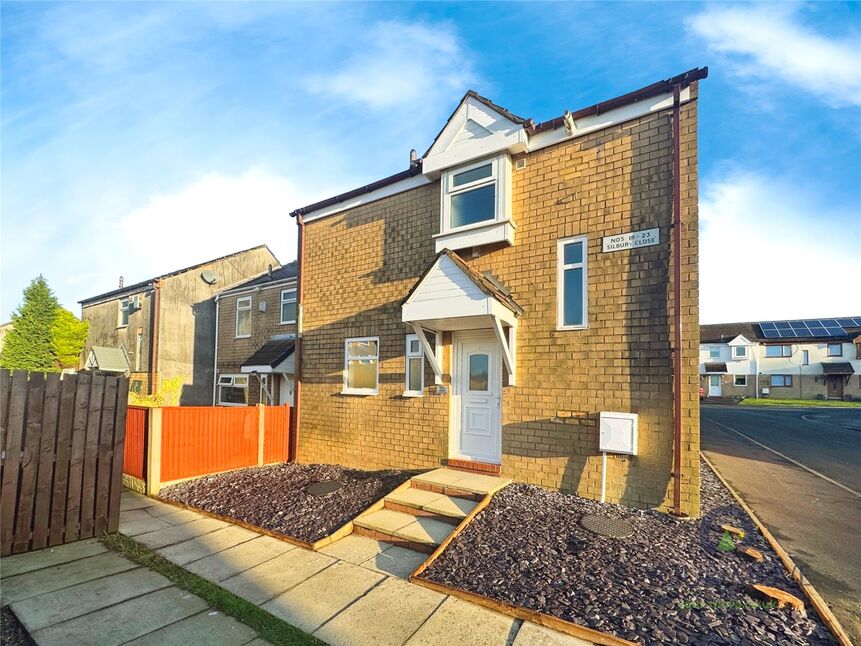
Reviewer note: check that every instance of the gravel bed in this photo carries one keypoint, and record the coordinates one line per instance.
(668, 583)
(12, 633)
(273, 497)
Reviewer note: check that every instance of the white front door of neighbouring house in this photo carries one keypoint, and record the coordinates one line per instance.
(714, 385)
(286, 394)
(477, 399)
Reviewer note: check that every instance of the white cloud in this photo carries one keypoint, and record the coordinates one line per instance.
(400, 64)
(772, 250)
(766, 40)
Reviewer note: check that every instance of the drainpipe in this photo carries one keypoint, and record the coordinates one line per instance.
(153, 362)
(215, 356)
(297, 370)
(677, 313)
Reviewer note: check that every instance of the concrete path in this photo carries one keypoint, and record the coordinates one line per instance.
(82, 594)
(352, 592)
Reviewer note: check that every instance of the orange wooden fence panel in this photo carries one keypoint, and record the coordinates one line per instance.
(198, 440)
(276, 434)
(134, 455)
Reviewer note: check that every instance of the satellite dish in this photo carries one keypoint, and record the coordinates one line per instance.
(209, 277)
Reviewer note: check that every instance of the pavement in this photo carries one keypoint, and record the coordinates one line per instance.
(350, 593)
(798, 469)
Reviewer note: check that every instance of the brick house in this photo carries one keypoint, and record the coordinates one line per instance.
(255, 340)
(482, 308)
(800, 359)
(165, 326)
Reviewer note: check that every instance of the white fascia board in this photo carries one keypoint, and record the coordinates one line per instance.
(740, 340)
(284, 283)
(585, 125)
(392, 189)
(260, 369)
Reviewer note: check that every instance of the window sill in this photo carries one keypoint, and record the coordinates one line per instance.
(243, 336)
(566, 328)
(412, 394)
(122, 327)
(232, 405)
(287, 323)
(359, 392)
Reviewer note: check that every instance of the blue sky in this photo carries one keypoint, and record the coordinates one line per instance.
(140, 138)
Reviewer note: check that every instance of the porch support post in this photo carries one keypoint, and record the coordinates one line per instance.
(429, 353)
(507, 348)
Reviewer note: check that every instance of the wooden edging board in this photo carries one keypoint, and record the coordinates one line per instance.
(813, 596)
(549, 621)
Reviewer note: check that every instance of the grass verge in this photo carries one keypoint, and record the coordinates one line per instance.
(801, 403)
(267, 626)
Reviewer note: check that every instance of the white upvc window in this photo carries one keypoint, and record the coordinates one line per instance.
(772, 351)
(739, 352)
(572, 283)
(476, 194)
(243, 317)
(714, 352)
(415, 367)
(126, 307)
(805, 357)
(288, 306)
(362, 366)
(781, 381)
(233, 390)
(835, 349)
(739, 380)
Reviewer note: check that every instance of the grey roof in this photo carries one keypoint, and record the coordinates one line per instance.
(278, 274)
(841, 368)
(271, 353)
(137, 287)
(726, 332)
(716, 366)
(109, 359)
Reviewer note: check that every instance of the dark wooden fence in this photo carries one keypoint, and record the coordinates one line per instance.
(62, 461)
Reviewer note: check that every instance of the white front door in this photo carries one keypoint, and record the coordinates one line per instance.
(477, 399)
(714, 385)
(285, 396)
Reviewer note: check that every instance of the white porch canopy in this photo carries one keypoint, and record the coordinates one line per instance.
(450, 296)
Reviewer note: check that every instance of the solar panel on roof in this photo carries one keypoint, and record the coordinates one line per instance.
(767, 326)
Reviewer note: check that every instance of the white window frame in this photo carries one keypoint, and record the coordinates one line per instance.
(413, 355)
(240, 307)
(739, 352)
(291, 290)
(831, 345)
(500, 172)
(714, 352)
(346, 390)
(131, 305)
(560, 282)
(782, 354)
(743, 383)
(229, 381)
(805, 357)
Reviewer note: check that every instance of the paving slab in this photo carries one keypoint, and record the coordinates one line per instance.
(159, 508)
(425, 530)
(319, 598)
(124, 621)
(413, 497)
(269, 579)
(130, 500)
(136, 527)
(481, 484)
(387, 616)
(531, 634)
(355, 549)
(178, 533)
(386, 520)
(206, 545)
(451, 506)
(237, 559)
(20, 563)
(134, 515)
(396, 561)
(180, 516)
(53, 578)
(60, 605)
(458, 623)
(208, 627)
(441, 477)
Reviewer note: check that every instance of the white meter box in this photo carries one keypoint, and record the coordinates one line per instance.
(618, 432)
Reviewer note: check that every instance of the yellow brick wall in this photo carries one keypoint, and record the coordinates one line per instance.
(360, 265)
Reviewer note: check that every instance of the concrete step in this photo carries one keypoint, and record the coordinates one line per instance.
(429, 502)
(398, 527)
(452, 481)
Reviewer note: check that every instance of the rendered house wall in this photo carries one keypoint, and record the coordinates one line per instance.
(361, 263)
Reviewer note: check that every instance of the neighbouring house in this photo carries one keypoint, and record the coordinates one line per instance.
(803, 359)
(5, 328)
(165, 326)
(482, 308)
(254, 360)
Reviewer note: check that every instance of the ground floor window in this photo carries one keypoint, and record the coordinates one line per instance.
(233, 390)
(781, 381)
(740, 380)
(361, 366)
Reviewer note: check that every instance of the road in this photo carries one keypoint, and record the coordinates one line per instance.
(806, 489)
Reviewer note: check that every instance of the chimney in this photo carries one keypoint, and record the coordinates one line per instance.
(414, 158)
(270, 271)
(121, 282)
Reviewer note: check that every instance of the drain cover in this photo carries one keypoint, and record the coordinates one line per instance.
(323, 487)
(604, 526)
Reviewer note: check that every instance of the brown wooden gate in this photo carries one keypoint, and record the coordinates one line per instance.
(62, 442)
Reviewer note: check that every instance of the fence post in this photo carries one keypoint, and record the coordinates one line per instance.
(153, 452)
(261, 432)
